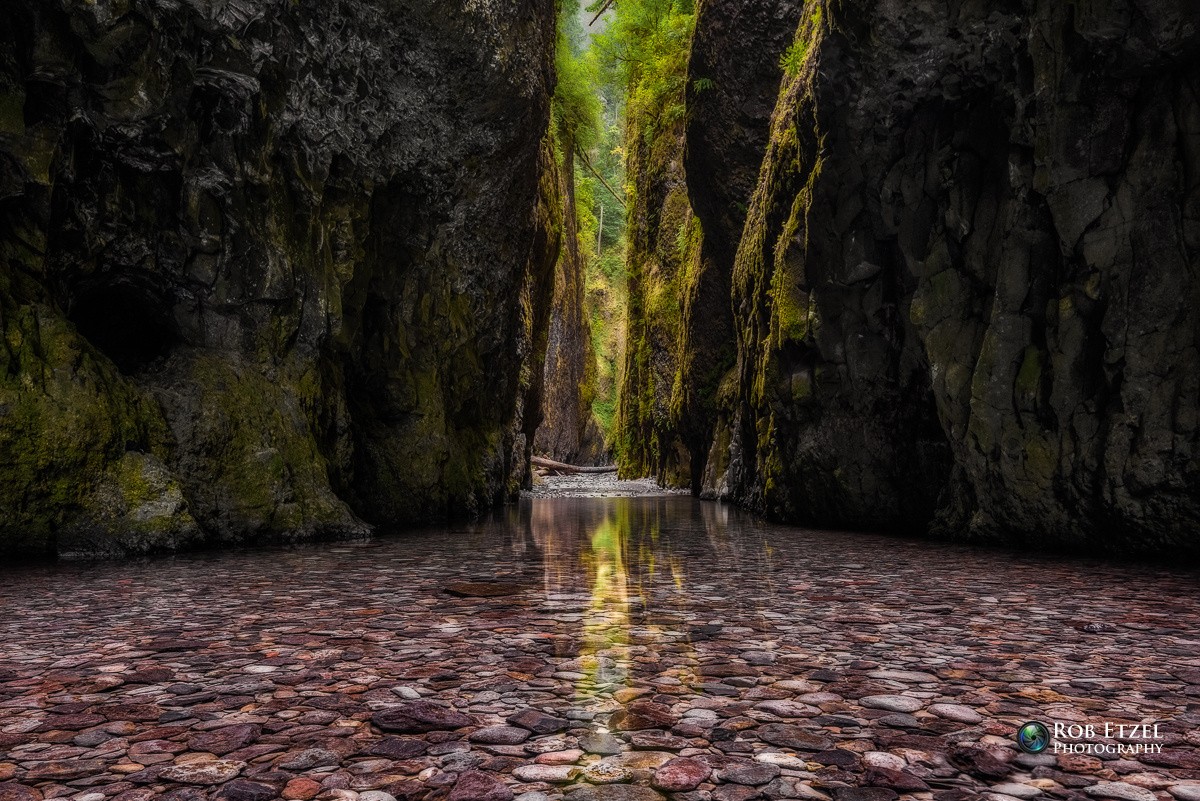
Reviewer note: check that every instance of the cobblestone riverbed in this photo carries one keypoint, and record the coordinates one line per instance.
(599, 649)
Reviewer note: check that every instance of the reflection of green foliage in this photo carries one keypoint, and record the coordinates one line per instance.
(606, 626)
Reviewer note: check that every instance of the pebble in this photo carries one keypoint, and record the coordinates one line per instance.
(624, 668)
(1120, 790)
(601, 743)
(956, 712)
(680, 775)
(892, 703)
(499, 735)
(553, 774)
(476, 785)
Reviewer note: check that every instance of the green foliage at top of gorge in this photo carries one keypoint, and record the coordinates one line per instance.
(619, 103)
(588, 112)
(645, 50)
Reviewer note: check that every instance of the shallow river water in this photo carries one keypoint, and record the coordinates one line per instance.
(640, 647)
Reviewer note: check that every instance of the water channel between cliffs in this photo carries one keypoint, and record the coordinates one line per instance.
(642, 629)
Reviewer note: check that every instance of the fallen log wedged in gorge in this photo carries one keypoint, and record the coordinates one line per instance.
(561, 467)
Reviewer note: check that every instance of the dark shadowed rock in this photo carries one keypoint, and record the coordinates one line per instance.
(246, 790)
(474, 785)
(225, 739)
(940, 329)
(788, 736)
(642, 715)
(277, 269)
(10, 791)
(419, 717)
(482, 589)
(398, 748)
(537, 721)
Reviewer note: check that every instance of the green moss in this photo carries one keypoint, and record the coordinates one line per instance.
(252, 457)
(12, 111)
(1041, 459)
(68, 415)
(1029, 376)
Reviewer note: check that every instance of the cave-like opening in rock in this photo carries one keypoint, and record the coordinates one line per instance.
(128, 322)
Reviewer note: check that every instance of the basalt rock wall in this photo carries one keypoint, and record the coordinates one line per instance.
(268, 270)
(966, 293)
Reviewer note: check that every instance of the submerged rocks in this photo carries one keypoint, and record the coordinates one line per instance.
(303, 683)
(474, 785)
(642, 714)
(420, 716)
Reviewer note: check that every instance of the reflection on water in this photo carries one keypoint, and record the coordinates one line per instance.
(665, 595)
(634, 573)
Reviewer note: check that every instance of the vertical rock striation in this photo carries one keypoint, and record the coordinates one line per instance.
(568, 431)
(267, 270)
(966, 294)
(694, 180)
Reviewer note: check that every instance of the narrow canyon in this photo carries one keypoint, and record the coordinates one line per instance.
(283, 271)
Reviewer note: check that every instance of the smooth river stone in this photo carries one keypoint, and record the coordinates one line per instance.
(605, 772)
(642, 715)
(600, 743)
(788, 709)
(1016, 790)
(482, 589)
(680, 775)
(612, 792)
(787, 736)
(476, 785)
(552, 774)
(956, 712)
(419, 717)
(499, 735)
(225, 739)
(1185, 792)
(750, 773)
(537, 721)
(1120, 790)
(207, 772)
(892, 703)
(568, 757)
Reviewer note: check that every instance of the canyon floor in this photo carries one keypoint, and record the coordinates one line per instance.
(597, 649)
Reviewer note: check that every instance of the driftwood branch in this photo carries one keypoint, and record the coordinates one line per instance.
(583, 157)
(600, 13)
(569, 469)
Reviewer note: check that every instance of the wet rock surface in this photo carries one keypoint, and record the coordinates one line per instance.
(632, 667)
(268, 271)
(965, 290)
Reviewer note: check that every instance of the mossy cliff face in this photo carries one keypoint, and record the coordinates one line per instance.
(568, 431)
(694, 180)
(267, 271)
(966, 294)
(662, 250)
